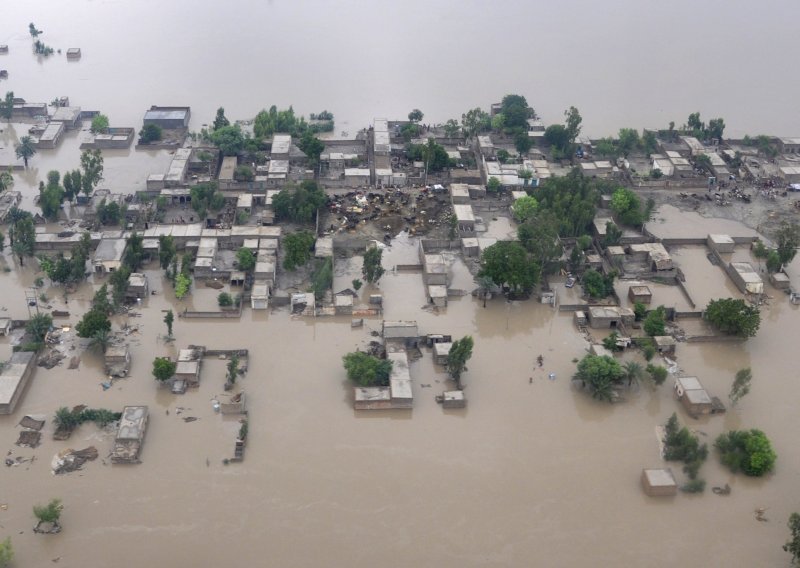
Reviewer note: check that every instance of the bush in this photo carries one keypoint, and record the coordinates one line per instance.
(658, 373)
(610, 342)
(749, 451)
(681, 445)
(733, 317)
(224, 300)
(639, 310)
(694, 486)
(150, 133)
(322, 279)
(298, 249)
(163, 368)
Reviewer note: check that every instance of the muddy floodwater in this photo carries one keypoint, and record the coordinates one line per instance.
(532, 472)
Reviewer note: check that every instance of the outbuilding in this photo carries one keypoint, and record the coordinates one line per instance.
(746, 278)
(641, 294)
(693, 396)
(441, 352)
(137, 286)
(723, 244)
(14, 378)
(118, 360)
(659, 482)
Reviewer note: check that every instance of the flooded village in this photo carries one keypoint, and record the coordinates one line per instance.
(495, 341)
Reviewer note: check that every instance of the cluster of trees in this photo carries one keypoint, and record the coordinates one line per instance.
(733, 317)
(22, 234)
(764, 143)
(681, 445)
(99, 124)
(299, 204)
(655, 322)
(53, 194)
(268, 122)
(748, 451)
(322, 277)
(629, 208)
(601, 375)
(787, 239)
(573, 200)
(561, 137)
(367, 370)
(460, 354)
(206, 198)
(7, 106)
(245, 259)
(150, 133)
(524, 208)
(628, 141)
(68, 420)
(62, 270)
(434, 155)
(596, 284)
(95, 324)
(475, 121)
(110, 213)
(513, 120)
(538, 233)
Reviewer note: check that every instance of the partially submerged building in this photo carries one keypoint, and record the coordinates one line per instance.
(14, 378)
(70, 117)
(746, 278)
(441, 351)
(108, 256)
(605, 317)
(137, 286)
(130, 435)
(118, 360)
(400, 380)
(659, 482)
(693, 396)
(168, 117)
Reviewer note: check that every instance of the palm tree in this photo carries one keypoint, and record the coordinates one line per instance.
(6, 180)
(602, 389)
(485, 283)
(101, 339)
(25, 149)
(633, 371)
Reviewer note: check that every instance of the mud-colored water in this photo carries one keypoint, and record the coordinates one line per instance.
(529, 473)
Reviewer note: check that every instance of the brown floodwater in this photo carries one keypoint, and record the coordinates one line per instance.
(529, 473)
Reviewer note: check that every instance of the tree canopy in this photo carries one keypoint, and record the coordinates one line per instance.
(460, 353)
(749, 451)
(371, 269)
(507, 262)
(539, 235)
(298, 249)
(524, 208)
(299, 203)
(367, 370)
(163, 369)
(205, 198)
(99, 124)
(733, 316)
(601, 374)
(229, 139)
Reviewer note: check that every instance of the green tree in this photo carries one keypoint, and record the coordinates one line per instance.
(475, 121)
(639, 311)
(169, 319)
(183, 283)
(244, 173)
(233, 369)
(92, 321)
(92, 164)
(371, 268)
(573, 121)
(357, 284)
(163, 369)
(50, 513)
(788, 239)
(7, 106)
(793, 546)
(150, 133)
(650, 145)
(367, 370)
(23, 237)
(596, 285)
(224, 300)
(601, 374)
(33, 31)
(229, 139)
(694, 122)
(38, 326)
(539, 236)
(6, 180)
(460, 353)
(322, 278)
(133, 258)
(311, 146)
(415, 115)
(246, 260)
(572, 199)
(658, 373)
(220, 121)
(733, 316)
(741, 385)
(681, 445)
(749, 451)
(485, 285)
(508, 263)
(773, 261)
(493, 185)
(166, 250)
(516, 112)
(628, 140)
(119, 285)
(434, 155)
(205, 197)
(613, 235)
(633, 371)
(606, 148)
(101, 339)
(451, 128)
(299, 203)
(655, 322)
(269, 122)
(522, 142)
(628, 207)
(100, 301)
(503, 156)
(6, 553)
(557, 136)
(51, 196)
(25, 149)
(524, 208)
(298, 249)
(716, 126)
(99, 124)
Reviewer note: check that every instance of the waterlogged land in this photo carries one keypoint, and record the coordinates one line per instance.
(528, 473)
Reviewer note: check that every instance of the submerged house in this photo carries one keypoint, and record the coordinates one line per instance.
(14, 378)
(118, 360)
(130, 435)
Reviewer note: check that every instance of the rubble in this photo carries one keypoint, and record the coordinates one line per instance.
(70, 460)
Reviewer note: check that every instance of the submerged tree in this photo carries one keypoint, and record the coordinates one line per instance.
(169, 318)
(6, 553)
(25, 149)
(460, 353)
(793, 545)
(49, 514)
(741, 385)
(367, 370)
(163, 369)
(372, 269)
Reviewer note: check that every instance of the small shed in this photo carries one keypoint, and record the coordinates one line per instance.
(780, 280)
(259, 296)
(118, 360)
(73, 53)
(665, 344)
(746, 278)
(604, 317)
(438, 295)
(137, 286)
(343, 304)
(659, 482)
(723, 244)
(693, 396)
(5, 326)
(641, 294)
(469, 247)
(453, 399)
(580, 318)
(130, 435)
(441, 351)
(594, 261)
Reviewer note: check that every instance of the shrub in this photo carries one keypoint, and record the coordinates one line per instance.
(655, 322)
(224, 300)
(367, 370)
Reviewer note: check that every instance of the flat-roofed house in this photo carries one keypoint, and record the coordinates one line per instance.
(130, 435)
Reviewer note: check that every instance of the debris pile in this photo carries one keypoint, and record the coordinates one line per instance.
(71, 460)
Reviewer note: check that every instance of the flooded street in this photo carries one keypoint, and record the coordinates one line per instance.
(527, 473)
